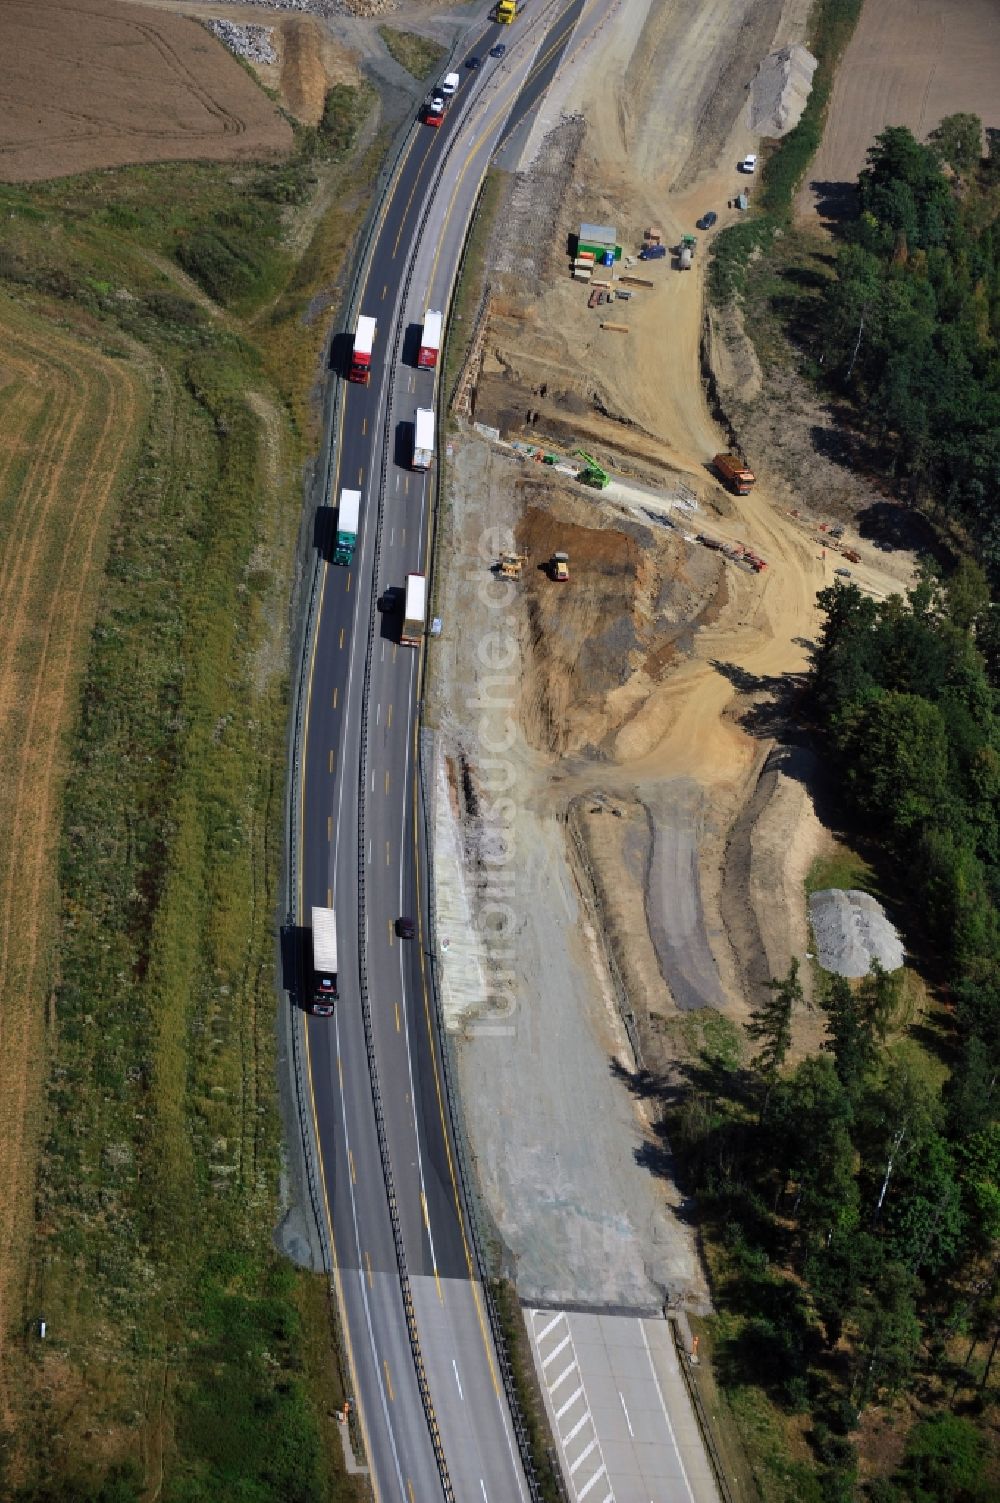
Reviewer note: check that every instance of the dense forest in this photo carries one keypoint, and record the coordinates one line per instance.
(857, 1195)
(909, 326)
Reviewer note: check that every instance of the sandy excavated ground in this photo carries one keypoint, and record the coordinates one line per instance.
(656, 842)
(910, 62)
(95, 83)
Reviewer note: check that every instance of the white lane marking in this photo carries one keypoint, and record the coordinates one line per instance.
(382, 658)
(585, 1419)
(627, 1420)
(548, 1326)
(362, 1286)
(458, 1381)
(563, 1376)
(583, 1455)
(602, 1471)
(570, 1402)
(378, 713)
(666, 1416)
(556, 1350)
(482, 1484)
(416, 1130)
(369, 852)
(392, 536)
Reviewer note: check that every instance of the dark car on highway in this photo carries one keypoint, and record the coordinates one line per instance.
(498, 50)
(405, 928)
(472, 62)
(707, 220)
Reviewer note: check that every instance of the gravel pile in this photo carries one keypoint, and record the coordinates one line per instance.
(250, 42)
(780, 91)
(851, 930)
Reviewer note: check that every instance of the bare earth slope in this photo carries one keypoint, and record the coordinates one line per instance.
(647, 688)
(94, 83)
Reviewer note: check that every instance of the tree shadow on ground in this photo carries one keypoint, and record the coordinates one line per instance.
(775, 698)
(836, 203)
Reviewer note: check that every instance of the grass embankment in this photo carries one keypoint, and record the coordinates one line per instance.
(831, 26)
(529, 1394)
(181, 1360)
(418, 55)
(70, 415)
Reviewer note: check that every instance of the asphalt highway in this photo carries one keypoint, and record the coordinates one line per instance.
(420, 1351)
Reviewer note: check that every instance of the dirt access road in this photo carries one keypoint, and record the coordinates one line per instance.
(910, 62)
(95, 83)
(635, 727)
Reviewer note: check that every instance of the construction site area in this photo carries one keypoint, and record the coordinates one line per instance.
(628, 603)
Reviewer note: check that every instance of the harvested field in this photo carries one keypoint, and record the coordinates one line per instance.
(910, 62)
(70, 415)
(94, 83)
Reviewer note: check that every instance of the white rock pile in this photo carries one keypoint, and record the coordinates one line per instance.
(780, 91)
(250, 42)
(851, 930)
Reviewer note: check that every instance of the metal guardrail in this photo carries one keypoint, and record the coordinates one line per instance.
(293, 850)
(701, 1416)
(466, 1174)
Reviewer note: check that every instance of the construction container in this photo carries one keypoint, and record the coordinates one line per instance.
(652, 236)
(582, 274)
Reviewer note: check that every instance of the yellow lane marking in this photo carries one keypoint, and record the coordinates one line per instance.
(329, 897)
(347, 586)
(397, 1017)
(364, 426)
(338, 1282)
(388, 718)
(388, 1380)
(387, 782)
(368, 1271)
(389, 921)
(335, 693)
(354, 1176)
(341, 639)
(330, 768)
(361, 471)
(329, 827)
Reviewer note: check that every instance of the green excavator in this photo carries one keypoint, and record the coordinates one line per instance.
(594, 475)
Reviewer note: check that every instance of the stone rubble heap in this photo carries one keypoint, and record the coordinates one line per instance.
(780, 91)
(250, 42)
(851, 930)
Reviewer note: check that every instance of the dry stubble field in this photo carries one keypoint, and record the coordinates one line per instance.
(68, 415)
(910, 62)
(93, 83)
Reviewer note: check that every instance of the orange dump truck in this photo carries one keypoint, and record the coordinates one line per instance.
(733, 472)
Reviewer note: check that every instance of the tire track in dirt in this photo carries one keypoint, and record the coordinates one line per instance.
(114, 389)
(28, 531)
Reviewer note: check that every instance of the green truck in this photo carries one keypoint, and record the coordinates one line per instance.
(347, 526)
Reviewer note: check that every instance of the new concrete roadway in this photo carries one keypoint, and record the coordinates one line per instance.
(432, 1409)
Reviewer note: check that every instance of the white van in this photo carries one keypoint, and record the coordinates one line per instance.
(749, 162)
(450, 83)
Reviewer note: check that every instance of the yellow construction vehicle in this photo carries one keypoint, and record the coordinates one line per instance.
(506, 11)
(509, 565)
(560, 567)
